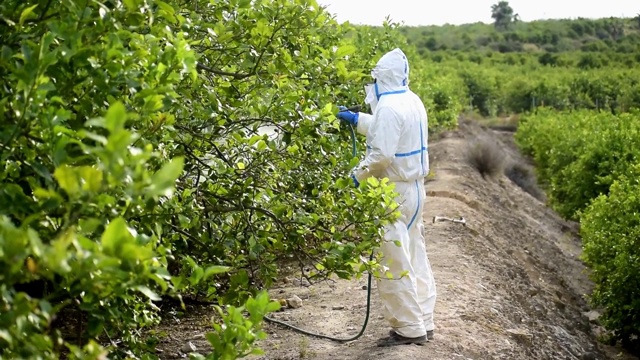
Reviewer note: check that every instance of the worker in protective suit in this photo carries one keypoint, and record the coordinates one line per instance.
(396, 136)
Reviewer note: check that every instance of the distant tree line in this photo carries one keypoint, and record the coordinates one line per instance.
(509, 34)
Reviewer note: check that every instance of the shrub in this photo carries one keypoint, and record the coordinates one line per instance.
(134, 171)
(485, 156)
(524, 176)
(591, 163)
(612, 145)
(579, 154)
(519, 96)
(548, 59)
(481, 90)
(441, 99)
(610, 228)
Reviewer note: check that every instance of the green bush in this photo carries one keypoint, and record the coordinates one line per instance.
(610, 228)
(589, 162)
(520, 96)
(543, 136)
(136, 165)
(579, 154)
(612, 146)
(441, 97)
(481, 89)
(504, 85)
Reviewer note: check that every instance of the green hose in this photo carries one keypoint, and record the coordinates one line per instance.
(366, 319)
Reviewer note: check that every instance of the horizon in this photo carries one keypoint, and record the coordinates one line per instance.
(374, 12)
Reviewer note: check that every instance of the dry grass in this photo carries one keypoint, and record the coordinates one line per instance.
(524, 176)
(485, 156)
(503, 123)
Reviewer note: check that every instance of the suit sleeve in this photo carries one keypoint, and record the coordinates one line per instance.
(384, 132)
(364, 123)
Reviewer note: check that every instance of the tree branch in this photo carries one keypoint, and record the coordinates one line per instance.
(44, 11)
(238, 76)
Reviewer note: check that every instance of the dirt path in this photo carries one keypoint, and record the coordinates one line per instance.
(509, 283)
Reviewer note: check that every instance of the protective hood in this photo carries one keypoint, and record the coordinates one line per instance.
(391, 73)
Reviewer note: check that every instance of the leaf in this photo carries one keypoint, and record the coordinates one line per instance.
(213, 270)
(132, 5)
(389, 275)
(74, 179)
(5, 335)
(345, 50)
(26, 12)
(115, 235)
(163, 181)
(196, 276)
(148, 292)
(67, 179)
(240, 165)
(91, 178)
(169, 11)
(273, 306)
(373, 181)
(160, 281)
(58, 254)
(328, 109)
(116, 117)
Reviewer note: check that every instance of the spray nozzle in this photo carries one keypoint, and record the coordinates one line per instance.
(356, 108)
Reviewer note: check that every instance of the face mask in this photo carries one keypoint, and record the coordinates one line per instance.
(371, 97)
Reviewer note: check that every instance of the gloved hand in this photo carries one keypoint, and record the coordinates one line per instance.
(348, 115)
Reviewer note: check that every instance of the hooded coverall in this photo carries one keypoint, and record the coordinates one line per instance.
(396, 136)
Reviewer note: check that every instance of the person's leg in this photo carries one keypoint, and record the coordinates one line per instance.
(426, 286)
(425, 282)
(399, 297)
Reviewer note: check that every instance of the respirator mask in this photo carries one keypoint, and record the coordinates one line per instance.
(371, 95)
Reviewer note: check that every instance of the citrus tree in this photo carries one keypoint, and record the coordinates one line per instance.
(158, 149)
(589, 163)
(610, 229)
(590, 148)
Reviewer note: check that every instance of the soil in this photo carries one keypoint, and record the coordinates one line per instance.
(510, 282)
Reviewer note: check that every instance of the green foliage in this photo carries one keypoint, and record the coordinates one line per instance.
(161, 149)
(75, 102)
(607, 35)
(579, 154)
(589, 163)
(502, 13)
(235, 338)
(494, 86)
(611, 233)
(440, 94)
(514, 66)
(480, 89)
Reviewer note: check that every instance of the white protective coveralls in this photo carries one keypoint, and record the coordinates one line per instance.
(396, 135)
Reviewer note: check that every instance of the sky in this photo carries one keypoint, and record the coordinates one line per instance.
(455, 12)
